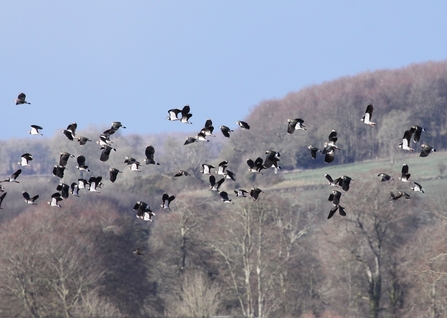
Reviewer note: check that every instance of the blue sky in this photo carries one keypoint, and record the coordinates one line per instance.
(94, 62)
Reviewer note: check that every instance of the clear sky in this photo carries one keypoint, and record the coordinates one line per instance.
(94, 62)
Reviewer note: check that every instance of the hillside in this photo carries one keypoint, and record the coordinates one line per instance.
(277, 256)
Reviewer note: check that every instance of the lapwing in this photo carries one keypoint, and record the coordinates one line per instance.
(149, 152)
(214, 185)
(241, 193)
(186, 115)
(81, 163)
(113, 173)
(417, 187)
(83, 184)
(143, 211)
(55, 199)
(344, 182)
(208, 129)
(166, 200)
(368, 115)
(254, 193)
(35, 130)
(95, 183)
(105, 153)
(272, 159)
(63, 158)
(28, 199)
(117, 125)
(224, 197)
(225, 130)
(222, 167)
(70, 132)
(255, 166)
(426, 150)
(330, 180)
(173, 114)
(404, 173)
(1, 199)
(334, 209)
(243, 125)
(206, 168)
(395, 197)
(82, 140)
(201, 137)
(74, 189)
(335, 198)
(13, 177)
(190, 140)
(313, 151)
(138, 251)
(417, 132)
(21, 99)
(229, 175)
(181, 173)
(104, 140)
(295, 124)
(63, 189)
(405, 145)
(25, 159)
(385, 177)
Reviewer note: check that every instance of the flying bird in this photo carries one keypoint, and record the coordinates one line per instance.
(63, 158)
(313, 151)
(63, 189)
(74, 189)
(225, 131)
(404, 173)
(254, 193)
(426, 150)
(13, 177)
(385, 177)
(395, 197)
(117, 125)
(255, 166)
(35, 130)
(214, 186)
(405, 145)
(208, 129)
(166, 200)
(1, 199)
(295, 124)
(138, 251)
(181, 173)
(368, 115)
(149, 152)
(105, 153)
(94, 182)
(113, 174)
(143, 211)
(222, 167)
(417, 187)
(241, 193)
(190, 140)
(70, 132)
(224, 197)
(206, 168)
(243, 125)
(25, 159)
(55, 199)
(335, 198)
(82, 140)
(417, 132)
(29, 199)
(186, 115)
(21, 99)
(81, 163)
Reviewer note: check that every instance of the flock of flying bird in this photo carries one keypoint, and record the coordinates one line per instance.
(183, 115)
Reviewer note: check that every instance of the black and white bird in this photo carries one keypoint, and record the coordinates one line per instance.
(28, 199)
(214, 185)
(208, 129)
(82, 140)
(21, 99)
(229, 175)
(272, 159)
(385, 177)
(190, 140)
(166, 200)
(225, 130)
(81, 163)
(417, 132)
(83, 184)
(224, 197)
(206, 168)
(394, 197)
(95, 183)
(222, 167)
(243, 125)
(173, 114)
(330, 180)
(255, 166)
(417, 187)
(70, 132)
(426, 150)
(201, 137)
(104, 140)
(184, 112)
(368, 115)
(336, 208)
(404, 173)
(138, 251)
(135, 166)
(295, 124)
(254, 193)
(405, 145)
(117, 125)
(143, 211)
(1, 199)
(186, 115)
(149, 152)
(344, 182)
(74, 189)
(35, 130)
(64, 189)
(313, 151)
(105, 153)
(335, 198)
(25, 159)
(55, 199)
(13, 177)
(181, 173)
(241, 193)
(330, 147)
(63, 158)
(113, 173)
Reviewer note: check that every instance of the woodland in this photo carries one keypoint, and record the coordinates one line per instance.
(277, 256)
